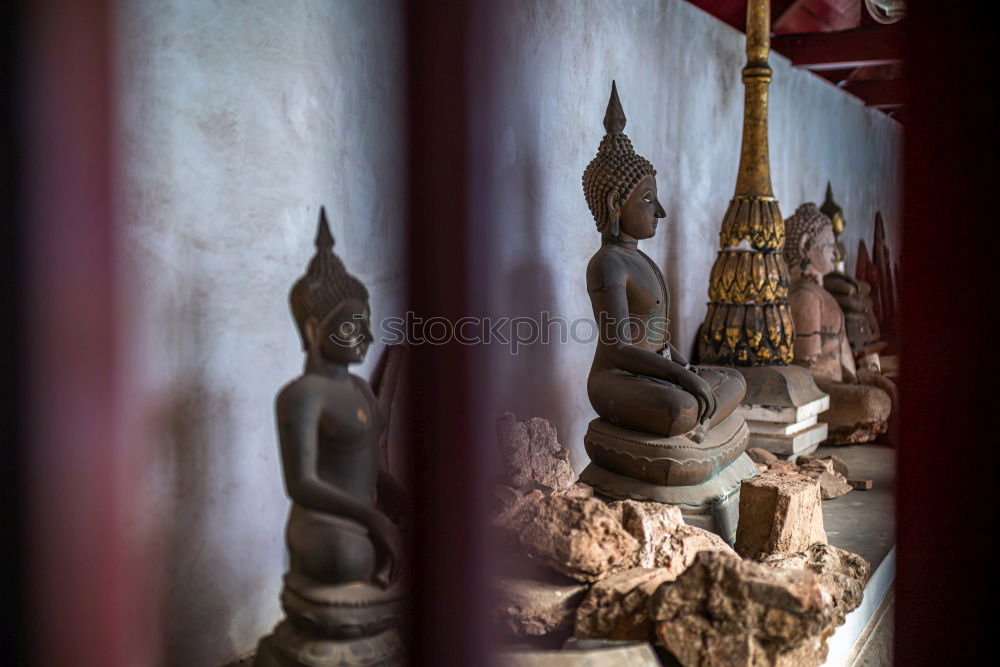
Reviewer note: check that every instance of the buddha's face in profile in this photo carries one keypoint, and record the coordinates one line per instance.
(345, 333)
(638, 216)
(822, 250)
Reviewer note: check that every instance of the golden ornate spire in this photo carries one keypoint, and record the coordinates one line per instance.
(748, 323)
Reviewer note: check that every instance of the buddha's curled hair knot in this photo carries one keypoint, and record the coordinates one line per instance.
(616, 168)
(325, 285)
(809, 221)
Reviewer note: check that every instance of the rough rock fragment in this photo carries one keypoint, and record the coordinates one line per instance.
(861, 484)
(832, 485)
(778, 514)
(836, 463)
(759, 455)
(617, 607)
(578, 490)
(532, 608)
(652, 525)
(579, 537)
(724, 611)
(532, 453)
(782, 465)
(842, 574)
(665, 541)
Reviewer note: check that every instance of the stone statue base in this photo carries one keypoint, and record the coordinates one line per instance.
(858, 413)
(327, 625)
(674, 461)
(781, 408)
(713, 505)
(288, 646)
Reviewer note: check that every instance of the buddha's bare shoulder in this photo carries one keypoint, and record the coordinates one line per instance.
(302, 393)
(607, 268)
(806, 290)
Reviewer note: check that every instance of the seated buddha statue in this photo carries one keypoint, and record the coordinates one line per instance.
(647, 395)
(853, 296)
(860, 401)
(342, 594)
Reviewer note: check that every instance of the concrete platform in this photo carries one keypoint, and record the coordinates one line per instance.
(864, 522)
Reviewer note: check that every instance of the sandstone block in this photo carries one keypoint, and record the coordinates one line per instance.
(532, 454)
(724, 611)
(778, 514)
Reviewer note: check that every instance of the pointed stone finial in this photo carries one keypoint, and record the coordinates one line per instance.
(614, 117)
(829, 192)
(324, 239)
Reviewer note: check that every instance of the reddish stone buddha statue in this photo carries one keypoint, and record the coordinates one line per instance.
(859, 398)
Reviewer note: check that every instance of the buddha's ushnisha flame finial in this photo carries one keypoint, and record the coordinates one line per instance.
(324, 239)
(614, 117)
(829, 192)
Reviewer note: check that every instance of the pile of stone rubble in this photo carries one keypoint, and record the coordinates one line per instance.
(578, 567)
(830, 472)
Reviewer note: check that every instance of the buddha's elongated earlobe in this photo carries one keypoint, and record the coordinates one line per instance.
(311, 331)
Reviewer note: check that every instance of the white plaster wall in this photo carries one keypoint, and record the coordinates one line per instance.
(236, 121)
(545, 85)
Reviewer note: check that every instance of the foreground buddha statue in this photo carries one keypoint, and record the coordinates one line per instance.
(342, 594)
(853, 296)
(663, 422)
(859, 398)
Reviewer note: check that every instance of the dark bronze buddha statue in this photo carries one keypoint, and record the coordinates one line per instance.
(342, 594)
(639, 380)
(663, 422)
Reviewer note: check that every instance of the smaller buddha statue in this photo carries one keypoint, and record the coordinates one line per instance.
(342, 595)
(859, 398)
(853, 296)
(663, 422)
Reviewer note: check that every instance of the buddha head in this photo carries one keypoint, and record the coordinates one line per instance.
(330, 306)
(619, 184)
(809, 242)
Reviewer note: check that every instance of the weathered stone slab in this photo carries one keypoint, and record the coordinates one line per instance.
(842, 574)
(784, 414)
(579, 537)
(617, 607)
(529, 608)
(532, 454)
(724, 611)
(779, 513)
(800, 442)
(781, 428)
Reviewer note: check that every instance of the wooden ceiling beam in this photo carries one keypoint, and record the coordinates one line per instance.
(883, 93)
(860, 47)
